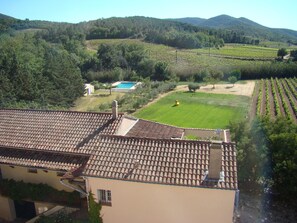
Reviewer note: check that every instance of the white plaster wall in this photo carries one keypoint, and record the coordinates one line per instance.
(20, 173)
(126, 125)
(146, 203)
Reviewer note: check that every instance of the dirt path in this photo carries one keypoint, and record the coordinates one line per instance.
(253, 110)
(263, 104)
(245, 88)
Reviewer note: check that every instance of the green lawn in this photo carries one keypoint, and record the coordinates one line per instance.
(92, 102)
(197, 110)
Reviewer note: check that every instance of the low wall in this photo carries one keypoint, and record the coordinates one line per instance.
(207, 134)
(7, 210)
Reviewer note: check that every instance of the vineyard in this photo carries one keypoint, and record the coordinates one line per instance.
(276, 97)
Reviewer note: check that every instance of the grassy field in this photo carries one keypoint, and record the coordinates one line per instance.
(278, 45)
(240, 50)
(92, 102)
(189, 61)
(197, 110)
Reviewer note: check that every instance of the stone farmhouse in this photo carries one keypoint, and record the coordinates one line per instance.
(140, 171)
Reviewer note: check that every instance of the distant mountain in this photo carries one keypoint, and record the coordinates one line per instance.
(227, 28)
(242, 25)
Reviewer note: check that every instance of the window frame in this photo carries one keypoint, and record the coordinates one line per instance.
(104, 197)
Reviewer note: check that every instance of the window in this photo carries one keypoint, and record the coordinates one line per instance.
(104, 196)
(32, 170)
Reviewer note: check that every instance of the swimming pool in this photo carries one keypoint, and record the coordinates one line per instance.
(125, 85)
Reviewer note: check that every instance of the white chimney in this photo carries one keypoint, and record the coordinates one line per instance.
(114, 109)
(215, 160)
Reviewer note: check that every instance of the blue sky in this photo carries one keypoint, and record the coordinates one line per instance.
(271, 13)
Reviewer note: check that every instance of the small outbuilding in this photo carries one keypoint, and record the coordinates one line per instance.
(89, 89)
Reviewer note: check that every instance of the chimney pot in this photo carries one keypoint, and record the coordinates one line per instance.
(114, 109)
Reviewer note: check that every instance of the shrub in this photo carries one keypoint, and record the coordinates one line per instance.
(193, 87)
(19, 190)
(94, 211)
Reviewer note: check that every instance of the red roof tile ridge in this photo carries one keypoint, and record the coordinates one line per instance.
(57, 111)
(203, 129)
(162, 140)
(47, 151)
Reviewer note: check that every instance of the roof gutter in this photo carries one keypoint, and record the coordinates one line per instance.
(73, 188)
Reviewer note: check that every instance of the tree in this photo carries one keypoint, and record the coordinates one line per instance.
(162, 71)
(94, 210)
(282, 136)
(232, 80)
(251, 153)
(293, 54)
(108, 56)
(236, 73)
(282, 52)
(146, 68)
(214, 77)
(109, 87)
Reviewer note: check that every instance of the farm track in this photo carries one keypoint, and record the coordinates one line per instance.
(253, 111)
(239, 58)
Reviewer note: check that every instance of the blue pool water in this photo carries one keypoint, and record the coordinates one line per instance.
(126, 85)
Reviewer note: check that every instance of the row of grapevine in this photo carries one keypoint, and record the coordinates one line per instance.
(277, 97)
(267, 93)
(290, 94)
(277, 109)
(283, 99)
(293, 87)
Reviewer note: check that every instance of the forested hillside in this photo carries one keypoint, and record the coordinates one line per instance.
(36, 74)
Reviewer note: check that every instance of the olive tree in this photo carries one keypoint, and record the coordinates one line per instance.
(282, 52)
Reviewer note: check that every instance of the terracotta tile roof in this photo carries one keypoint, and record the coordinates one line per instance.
(173, 162)
(57, 140)
(149, 129)
(41, 159)
(62, 131)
